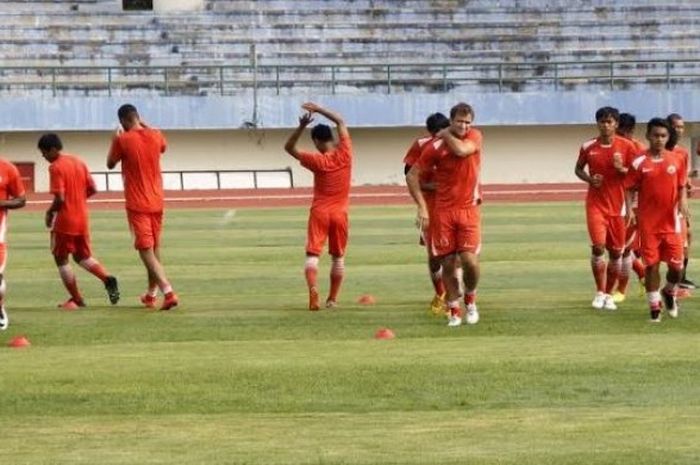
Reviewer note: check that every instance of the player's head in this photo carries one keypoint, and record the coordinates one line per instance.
(661, 135)
(50, 146)
(322, 136)
(128, 116)
(607, 119)
(436, 122)
(677, 122)
(626, 124)
(461, 119)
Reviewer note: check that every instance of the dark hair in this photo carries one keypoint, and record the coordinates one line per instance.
(664, 123)
(673, 117)
(436, 122)
(461, 109)
(607, 112)
(322, 133)
(126, 111)
(626, 123)
(50, 141)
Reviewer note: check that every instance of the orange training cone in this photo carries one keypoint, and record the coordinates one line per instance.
(384, 333)
(19, 342)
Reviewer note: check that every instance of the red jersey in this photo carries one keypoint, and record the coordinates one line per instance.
(11, 187)
(457, 178)
(683, 156)
(70, 178)
(332, 171)
(658, 182)
(609, 198)
(139, 151)
(427, 176)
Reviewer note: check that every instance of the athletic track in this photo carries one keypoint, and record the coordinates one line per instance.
(361, 195)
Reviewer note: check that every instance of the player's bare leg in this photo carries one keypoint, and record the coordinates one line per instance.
(624, 277)
(669, 293)
(437, 306)
(95, 268)
(311, 274)
(70, 282)
(652, 281)
(472, 272)
(613, 272)
(449, 277)
(4, 318)
(148, 299)
(155, 268)
(598, 267)
(337, 274)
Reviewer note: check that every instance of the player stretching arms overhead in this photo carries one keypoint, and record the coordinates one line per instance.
(71, 185)
(435, 123)
(678, 125)
(11, 197)
(139, 147)
(328, 219)
(630, 257)
(660, 181)
(607, 158)
(455, 226)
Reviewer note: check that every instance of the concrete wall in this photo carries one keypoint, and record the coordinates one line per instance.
(513, 154)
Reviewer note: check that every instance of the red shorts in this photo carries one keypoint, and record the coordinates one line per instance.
(3, 257)
(63, 245)
(332, 226)
(606, 230)
(662, 247)
(146, 228)
(456, 230)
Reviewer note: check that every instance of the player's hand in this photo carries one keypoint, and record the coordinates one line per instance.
(118, 131)
(685, 211)
(311, 107)
(305, 119)
(48, 219)
(422, 220)
(144, 124)
(597, 180)
(442, 133)
(618, 163)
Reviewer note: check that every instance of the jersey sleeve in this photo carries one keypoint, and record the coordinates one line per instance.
(15, 186)
(477, 138)
(413, 154)
(582, 156)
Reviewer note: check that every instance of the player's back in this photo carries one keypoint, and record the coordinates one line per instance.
(332, 175)
(71, 179)
(140, 151)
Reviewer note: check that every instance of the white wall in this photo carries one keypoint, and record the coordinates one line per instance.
(515, 154)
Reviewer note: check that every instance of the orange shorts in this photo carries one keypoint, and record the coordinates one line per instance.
(3, 256)
(63, 245)
(146, 228)
(662, 247)
(606, 230)
(456, 230)
(331, 226)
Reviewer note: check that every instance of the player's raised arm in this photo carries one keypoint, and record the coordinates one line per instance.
(461, 148)
(414, 188)
(114, 155)
(331, 115)
(291, 145)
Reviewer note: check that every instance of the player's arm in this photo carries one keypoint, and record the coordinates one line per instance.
(459, 147)
(331, 115)
(629, 209)
(582, 174)
(291, 146)
(15, 192)
(414, 188)
(55, 207)
(115, 155)
(683, 202)
(13, 203)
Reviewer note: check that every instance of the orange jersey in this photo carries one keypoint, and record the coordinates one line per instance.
(609, 198)
(683, 156)
(639, 146)
(69, 178)
(427, 176)
(658, 182)
(332, 171)
(457, 178)
(139, 151)
(11, 186)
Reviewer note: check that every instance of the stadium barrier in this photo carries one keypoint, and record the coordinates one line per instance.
(388, 78)
(111, 181)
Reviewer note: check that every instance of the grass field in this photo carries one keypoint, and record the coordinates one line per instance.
(241, 373)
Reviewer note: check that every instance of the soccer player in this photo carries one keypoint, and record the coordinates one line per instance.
(455, 227)
(71, 185)
(659, 177)
(434, 123)
(328, 219)
(139, 147)
(607, 157)
(678, 125)
(630, 257)
(12, 196)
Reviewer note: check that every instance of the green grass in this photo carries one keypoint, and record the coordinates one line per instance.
(241, 373)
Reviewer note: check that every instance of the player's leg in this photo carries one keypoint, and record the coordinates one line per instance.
(337, 243)
(686, 283)
(150, 297)
(62, 245)
(316, 235)
(652, 279)
(472, 272)
(444, 245)
(83, 257)
(627, 263)
(672, 253)
(597, 230)
(450, 261)
(615, 244)
(4, 317)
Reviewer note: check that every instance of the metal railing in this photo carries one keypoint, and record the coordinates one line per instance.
(206, 179)
(331, 78)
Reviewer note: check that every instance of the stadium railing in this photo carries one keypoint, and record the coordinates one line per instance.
(333, 78)
(111, 181)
